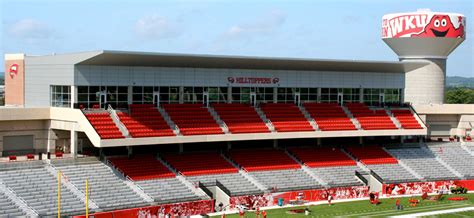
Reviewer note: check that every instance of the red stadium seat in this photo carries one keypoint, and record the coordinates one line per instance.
(371, 119)
(201, 163)
(406, 119)
(329, 116)
(193, 119)
(142, 167)
(104, 125)
(286, 117)
(261, 160)
(371, 155)
(240, 118)
(322, 157)
(145, 120)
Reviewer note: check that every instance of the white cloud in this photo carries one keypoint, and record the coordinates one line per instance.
(156, 27)
(30, 30)
(266, 24)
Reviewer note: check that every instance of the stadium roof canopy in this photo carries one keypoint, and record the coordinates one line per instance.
(154, 59)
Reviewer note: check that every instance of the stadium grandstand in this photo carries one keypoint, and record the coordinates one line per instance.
(127, 133)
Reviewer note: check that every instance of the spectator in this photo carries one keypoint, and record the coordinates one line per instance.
(241, 212)
(398, 205)
(264, 214)
(329, 199)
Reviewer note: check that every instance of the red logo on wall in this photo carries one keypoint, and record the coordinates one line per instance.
(253, 80)
(13, 70)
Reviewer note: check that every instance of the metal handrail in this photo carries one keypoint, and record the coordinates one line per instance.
(117, 121)
(22, 202)
(414, 112)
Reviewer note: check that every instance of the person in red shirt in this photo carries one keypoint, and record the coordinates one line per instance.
(241, 212)
(223, 215)
(398, 205)
(257, 212)
(264, 214)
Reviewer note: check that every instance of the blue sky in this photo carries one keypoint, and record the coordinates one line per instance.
(331, 29)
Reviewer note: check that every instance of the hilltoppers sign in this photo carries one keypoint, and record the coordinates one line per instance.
(253, 80)
(427, 25)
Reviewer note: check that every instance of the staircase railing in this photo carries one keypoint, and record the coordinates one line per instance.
(70, 186)
(267, 122)
(168, 120)
(118, 123)
(309, 118)
(218, 120)
(361, 177)
(129, 182)
(19, 201)
(417, 117)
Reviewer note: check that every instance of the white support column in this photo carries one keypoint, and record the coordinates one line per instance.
(318, 141)
(181, 94)
(229, 145)
(275, 143)
(73, 95)
(129, 151)
(361, 95)
(73, 143)
(130, 95)
(275, 94)
(361, 140)
(319, 95)
(229, 94)
(181, 148)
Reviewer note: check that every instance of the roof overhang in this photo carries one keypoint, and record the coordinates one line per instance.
(153, 59)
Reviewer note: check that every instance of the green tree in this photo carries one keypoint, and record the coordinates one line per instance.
(460, 96)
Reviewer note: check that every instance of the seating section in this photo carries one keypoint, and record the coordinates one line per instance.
(406, 119)
(193, 119)
(322, 157)
(39, 190)
(338, 176)
(168, 190)
(106, 189)
(286, 180)
(423, 162)
(262, 160)
(286, 117)
(104, 125)
(456, 157)
(202, 163)
(8, 208)
(393, 173)
(240, 118)
(142, 167)
(370, 119)
(234, 182)
(369, 155)
(329, 116)
(145, 120)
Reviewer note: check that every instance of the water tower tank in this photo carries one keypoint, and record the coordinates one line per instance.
(424, 36)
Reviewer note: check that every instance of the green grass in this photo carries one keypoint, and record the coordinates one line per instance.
(365, 209)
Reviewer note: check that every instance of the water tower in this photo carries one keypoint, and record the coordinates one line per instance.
(424, 36)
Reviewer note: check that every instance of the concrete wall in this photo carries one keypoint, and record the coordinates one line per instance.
(43, 71)
(159, 76)
(37, 128)
(426, 85)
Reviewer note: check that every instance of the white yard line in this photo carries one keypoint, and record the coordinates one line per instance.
(436, 212)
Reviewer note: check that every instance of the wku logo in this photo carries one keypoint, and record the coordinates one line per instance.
(13, 70)
(423, 25)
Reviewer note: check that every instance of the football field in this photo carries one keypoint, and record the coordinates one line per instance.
(385, 209)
